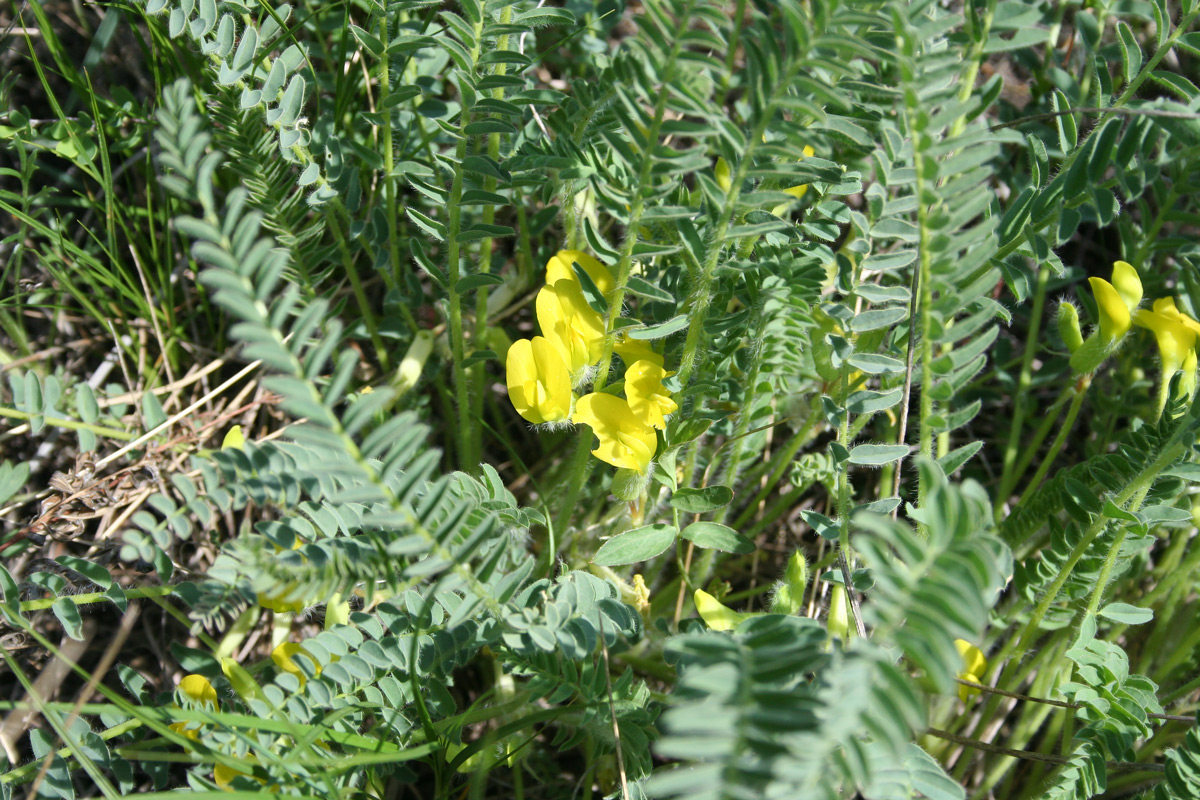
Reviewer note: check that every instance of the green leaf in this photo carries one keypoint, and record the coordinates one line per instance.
(1131, 53)
(867, 401)
(470, 282)
(715, 536)
(876, 455)
(1127, 614)
(483, 231)
(1068, 132)
(12, 478)
(822, 525)
(431, 226)
(877, 318)
(635, 546)
(68, 614)
(92, 571)
(644, 288)
(152, 411)
(698, 501)
(895, 228)
(659, 331)
(369, 42)
(874, 364)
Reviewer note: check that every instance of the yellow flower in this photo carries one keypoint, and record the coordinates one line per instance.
(538, 383)
(571, 325)
(1117, 300)
(283, 658)
(198, 690)
(279, 603)
(974, 667)
(559, 268)
(717, 616)
(633, 350)
(625, 441)
(1174, 336)
(648, 398)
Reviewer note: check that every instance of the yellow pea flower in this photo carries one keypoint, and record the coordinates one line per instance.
(625, 441)
(634, 350)
(571, 325)
(1116, 301)
(559, 268)
(974, 666)
(1175, 333)
(648, 398)
(199, 691)
(1174, 337)
(539, 385)
(716, 615)
(283, 658)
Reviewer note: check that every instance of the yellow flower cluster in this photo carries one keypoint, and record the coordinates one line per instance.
(1117, 303)
(544, 372)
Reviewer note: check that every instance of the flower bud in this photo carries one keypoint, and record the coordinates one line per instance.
(1068, 326)
(839, 614)
(789, 592)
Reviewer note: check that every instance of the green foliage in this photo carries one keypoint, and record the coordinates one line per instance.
(836, 224)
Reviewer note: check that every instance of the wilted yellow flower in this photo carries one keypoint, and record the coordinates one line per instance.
(625, 441)
(648, 398)
(283, 655)
(559, 268)
(539, 385)
(571, 325)
(717, 616)
(1117, 300)
(974, 666)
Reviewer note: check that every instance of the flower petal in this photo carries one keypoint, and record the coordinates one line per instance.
(571, 325)
(648, 398)
(716, 616)
(973, 659)
(625, 441)
(1114, 314)
(1127, 283)
(539, 386)
(559, 268)
(198, 689)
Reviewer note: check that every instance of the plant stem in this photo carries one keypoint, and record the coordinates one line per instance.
(1022, 392)
(468, 457)
(1056, 446)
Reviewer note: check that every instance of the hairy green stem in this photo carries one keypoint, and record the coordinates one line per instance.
(468, 457)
